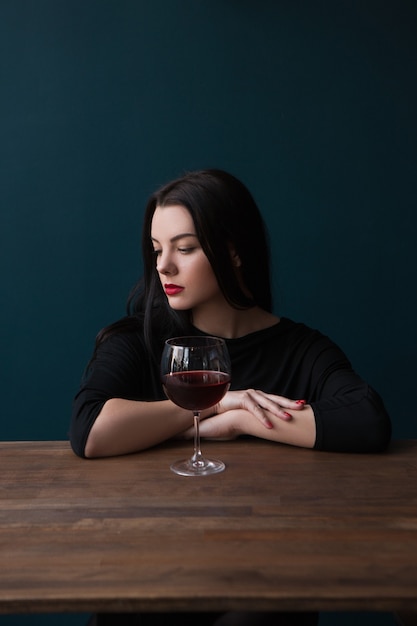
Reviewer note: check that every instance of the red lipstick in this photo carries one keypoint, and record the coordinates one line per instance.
(172, 290)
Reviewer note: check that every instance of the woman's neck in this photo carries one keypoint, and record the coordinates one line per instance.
(231, 323)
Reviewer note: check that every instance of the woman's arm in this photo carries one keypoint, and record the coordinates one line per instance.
(352, 418)
(125, 426)
(298, 428)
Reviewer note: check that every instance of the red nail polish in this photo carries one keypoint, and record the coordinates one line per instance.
(287, 414)
(300, 401)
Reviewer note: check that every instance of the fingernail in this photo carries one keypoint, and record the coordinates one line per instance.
(268, 424)
(287, 414)
(300, 402)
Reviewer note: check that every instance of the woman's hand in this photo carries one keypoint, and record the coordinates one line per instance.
(259, 404)
(259, 414)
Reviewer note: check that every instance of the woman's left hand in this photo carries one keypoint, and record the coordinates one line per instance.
(259, 403)
(300, 430)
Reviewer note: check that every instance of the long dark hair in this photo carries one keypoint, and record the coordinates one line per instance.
(224, 214)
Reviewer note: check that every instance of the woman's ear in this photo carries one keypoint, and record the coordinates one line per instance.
(235, 257)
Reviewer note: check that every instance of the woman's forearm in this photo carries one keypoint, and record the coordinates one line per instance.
(125, 426)
(300, 430)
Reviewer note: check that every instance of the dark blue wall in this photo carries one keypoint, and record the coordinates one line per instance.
(312, 104)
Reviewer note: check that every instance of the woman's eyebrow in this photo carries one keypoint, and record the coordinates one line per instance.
(180, 236)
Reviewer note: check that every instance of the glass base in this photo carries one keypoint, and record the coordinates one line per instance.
(202, 467)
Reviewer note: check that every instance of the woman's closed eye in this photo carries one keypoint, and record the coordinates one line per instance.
(182, 250)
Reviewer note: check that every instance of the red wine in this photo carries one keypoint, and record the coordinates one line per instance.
(196, 390)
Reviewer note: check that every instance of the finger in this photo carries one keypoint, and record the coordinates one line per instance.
(260, 403)
(258, 411)
(261, 415)
(277, 404)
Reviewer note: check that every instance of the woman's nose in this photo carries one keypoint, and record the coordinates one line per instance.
(165, 265)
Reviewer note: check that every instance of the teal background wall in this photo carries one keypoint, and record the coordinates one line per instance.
(311, 103)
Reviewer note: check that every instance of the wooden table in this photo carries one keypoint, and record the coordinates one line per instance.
(281, 529)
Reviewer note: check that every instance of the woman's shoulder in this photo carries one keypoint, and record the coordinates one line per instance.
(283, 327)
(285, 334)
(129, 324)
(132, 334)
(288, 325)
(300, 333)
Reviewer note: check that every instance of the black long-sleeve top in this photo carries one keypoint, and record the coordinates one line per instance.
(287, 359)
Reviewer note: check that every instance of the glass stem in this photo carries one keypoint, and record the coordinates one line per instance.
(197, 459)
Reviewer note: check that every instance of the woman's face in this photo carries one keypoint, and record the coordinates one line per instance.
(183, 268)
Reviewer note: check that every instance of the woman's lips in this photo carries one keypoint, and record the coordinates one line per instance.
(172, 290)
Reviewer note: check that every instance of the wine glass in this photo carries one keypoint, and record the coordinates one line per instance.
(195, 374)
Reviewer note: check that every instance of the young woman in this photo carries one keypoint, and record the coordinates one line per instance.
(207, 271)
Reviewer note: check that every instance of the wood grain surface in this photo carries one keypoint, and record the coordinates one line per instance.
(281, 529)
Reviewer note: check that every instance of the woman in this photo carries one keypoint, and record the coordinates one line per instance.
(207, 271)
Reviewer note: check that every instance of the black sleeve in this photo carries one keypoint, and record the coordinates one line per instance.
(120, 368)
(350, 415)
